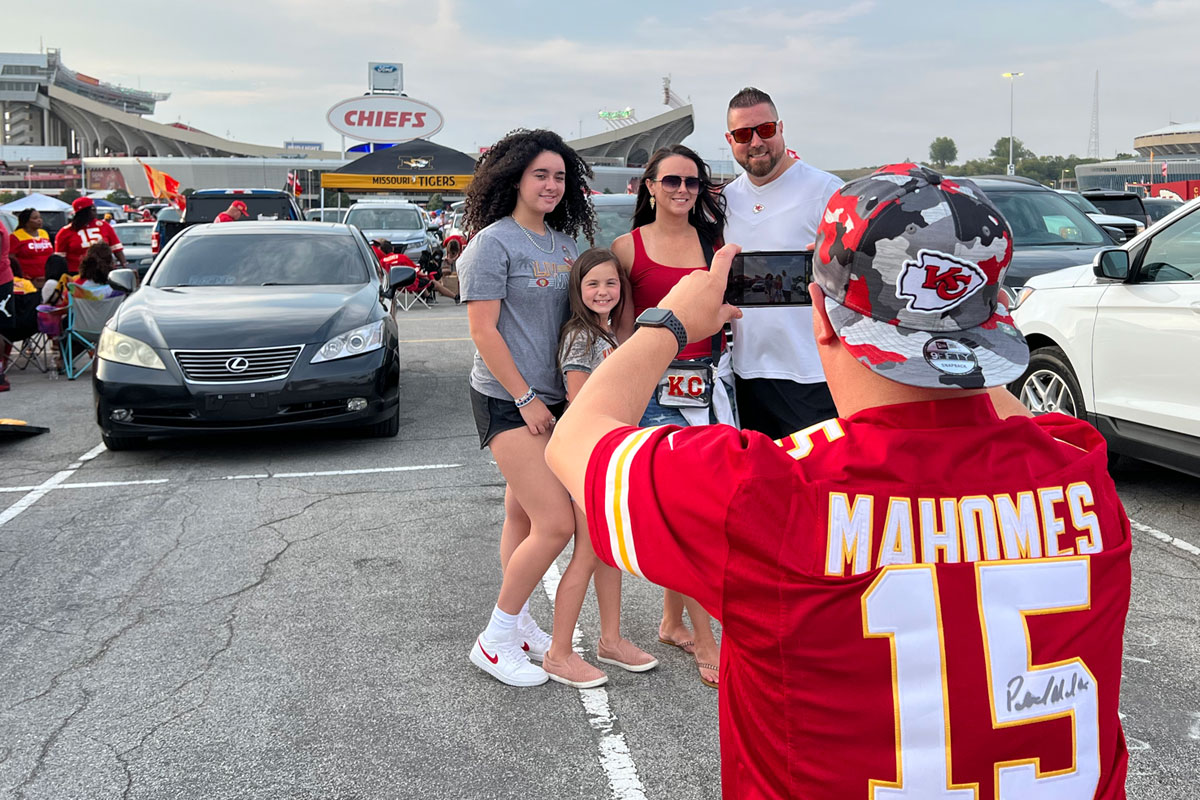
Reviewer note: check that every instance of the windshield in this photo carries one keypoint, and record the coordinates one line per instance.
(261, 259)
(1159, 208)
(1081, 202)
(385, 219)
(134, 235)
(324, 214)
(1121, 206)
(1046, 218)
(612, 220)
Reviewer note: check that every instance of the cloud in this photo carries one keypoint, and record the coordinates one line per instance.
(1156, 10)
(754, 21)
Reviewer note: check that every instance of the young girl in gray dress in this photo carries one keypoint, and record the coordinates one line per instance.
(597, 291)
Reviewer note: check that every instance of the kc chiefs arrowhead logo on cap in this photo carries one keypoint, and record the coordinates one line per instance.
(938, 281)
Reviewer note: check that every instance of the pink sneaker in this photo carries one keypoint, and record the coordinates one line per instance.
(574, 671)
(626, 655)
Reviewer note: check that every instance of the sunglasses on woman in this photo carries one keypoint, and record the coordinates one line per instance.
(765, 131)
(672, 183)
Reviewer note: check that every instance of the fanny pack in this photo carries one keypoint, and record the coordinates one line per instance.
(689, 384)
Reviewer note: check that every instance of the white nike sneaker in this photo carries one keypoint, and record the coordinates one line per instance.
(534, 641)
(507, 662)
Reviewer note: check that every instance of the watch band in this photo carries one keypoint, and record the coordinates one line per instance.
(663, 318)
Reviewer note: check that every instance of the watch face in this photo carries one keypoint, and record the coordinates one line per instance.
(654, 316)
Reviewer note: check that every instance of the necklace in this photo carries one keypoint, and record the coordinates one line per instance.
(533, 241)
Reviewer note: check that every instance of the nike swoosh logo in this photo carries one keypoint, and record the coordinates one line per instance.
(490, 658)
(525, 646)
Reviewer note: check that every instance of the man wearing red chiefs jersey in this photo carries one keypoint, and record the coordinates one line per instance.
(922, 598)
(237, 210)
(84, 231)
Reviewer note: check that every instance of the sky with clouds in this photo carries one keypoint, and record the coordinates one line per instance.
(858, 83)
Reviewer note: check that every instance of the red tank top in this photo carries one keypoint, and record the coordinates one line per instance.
(651, 281)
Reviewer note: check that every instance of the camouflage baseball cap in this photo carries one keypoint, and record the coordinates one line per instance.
(911, 263)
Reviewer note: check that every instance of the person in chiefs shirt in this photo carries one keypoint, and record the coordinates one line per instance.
(924, 597)
(84, 231)
(237, 210)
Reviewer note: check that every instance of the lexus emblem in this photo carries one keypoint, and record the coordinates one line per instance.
(239, 364)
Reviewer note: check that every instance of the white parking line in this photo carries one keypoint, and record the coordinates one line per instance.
(615, 758)
(56, 482)
(1186, 547)
(53, 482)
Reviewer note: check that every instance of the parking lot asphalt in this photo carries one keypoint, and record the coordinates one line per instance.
(288, 616)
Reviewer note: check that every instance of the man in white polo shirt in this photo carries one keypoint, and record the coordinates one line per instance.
(776, 204)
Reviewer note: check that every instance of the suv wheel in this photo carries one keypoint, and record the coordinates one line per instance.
(1049, 384)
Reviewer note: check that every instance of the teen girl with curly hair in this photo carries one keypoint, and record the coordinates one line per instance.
(524, 208)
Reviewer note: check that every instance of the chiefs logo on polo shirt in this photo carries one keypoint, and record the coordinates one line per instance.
(938, 281)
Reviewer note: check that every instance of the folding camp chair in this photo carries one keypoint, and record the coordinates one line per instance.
(28, 344)
(408, 296)
(85, 320)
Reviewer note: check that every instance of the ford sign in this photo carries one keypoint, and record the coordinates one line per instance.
(384, 118)
(385, 69)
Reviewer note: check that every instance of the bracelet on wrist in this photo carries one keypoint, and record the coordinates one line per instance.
(526, 398)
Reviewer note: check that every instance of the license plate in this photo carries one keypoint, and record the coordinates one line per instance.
(243, 403)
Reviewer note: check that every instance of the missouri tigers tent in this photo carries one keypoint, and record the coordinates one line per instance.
(418, 166)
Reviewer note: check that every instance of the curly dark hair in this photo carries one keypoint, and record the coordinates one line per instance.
(492, 195)
(707, 216)
(97, 263)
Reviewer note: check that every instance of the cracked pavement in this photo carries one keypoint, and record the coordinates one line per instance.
(307, 637)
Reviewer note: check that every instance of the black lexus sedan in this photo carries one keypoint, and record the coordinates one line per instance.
(252, 325)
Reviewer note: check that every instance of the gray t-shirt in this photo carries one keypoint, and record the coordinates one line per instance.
(574, 354)
(529, 274)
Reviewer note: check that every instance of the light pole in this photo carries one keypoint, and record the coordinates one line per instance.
(1012, 82)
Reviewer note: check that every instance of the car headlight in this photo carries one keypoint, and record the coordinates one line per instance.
(352, 343)
(122, 349)
(1017, 298)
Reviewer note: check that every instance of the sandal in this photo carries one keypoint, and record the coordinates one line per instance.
(701, 666)
(688, 647)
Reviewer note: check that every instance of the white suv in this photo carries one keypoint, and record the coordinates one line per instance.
(1118, 343)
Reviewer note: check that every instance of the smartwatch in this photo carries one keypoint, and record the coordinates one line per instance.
(664, 318)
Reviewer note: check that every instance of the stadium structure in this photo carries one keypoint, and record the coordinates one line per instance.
(1173, 150)
(56, 123)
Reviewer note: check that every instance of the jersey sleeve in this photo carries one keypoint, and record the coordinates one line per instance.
(657, 501)
(483, 269)
(111, 237)
(62, 240)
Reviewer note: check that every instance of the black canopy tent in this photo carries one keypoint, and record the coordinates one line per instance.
(418, 167)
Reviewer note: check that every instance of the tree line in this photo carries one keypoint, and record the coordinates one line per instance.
(1050, 170)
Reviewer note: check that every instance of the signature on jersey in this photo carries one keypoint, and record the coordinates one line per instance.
(1056, 690)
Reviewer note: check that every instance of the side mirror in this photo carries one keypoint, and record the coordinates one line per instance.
(432, 226)
(123, 279)
(400, 276)
(1116, 234)
(1111, 264)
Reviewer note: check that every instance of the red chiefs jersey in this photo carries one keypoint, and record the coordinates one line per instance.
(223, 217)
(921, 601)
(31, 251)
(73, 244)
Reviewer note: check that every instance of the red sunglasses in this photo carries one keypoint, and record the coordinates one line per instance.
(765, 131)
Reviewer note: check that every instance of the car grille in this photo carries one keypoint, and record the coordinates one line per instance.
(224, 366)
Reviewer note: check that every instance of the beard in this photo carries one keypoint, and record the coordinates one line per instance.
(758, 167)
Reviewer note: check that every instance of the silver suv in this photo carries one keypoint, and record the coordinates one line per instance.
(396, 221)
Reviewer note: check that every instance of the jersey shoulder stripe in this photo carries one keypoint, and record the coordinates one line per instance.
(616, 500)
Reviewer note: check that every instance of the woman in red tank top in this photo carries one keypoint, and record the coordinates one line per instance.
(677, 223)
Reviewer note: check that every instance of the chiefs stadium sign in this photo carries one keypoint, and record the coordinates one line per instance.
(385, 118)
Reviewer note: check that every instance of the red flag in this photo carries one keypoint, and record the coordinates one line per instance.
(293, 184)
(164, 186)
(1164, 169)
